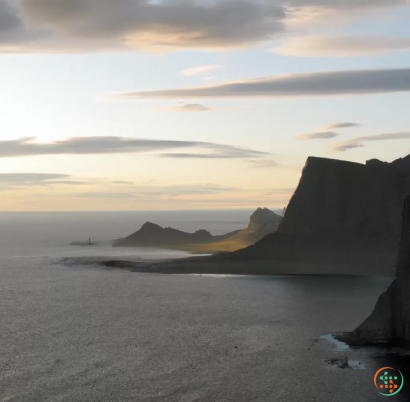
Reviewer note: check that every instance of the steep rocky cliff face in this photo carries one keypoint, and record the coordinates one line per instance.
(338, 197)
(390, 320)
(342, 213)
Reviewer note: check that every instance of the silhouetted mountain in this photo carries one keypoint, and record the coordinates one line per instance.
(341, 213)
(152, 235)
(262, 222)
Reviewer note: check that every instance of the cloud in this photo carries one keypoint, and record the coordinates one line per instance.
(264, 164)
(359, 141)
(116, 145)
(346, 147)
(200, 69)
(315, 136)
(122, 25)
(19, 180)
(343, 46)
(196, 107)
(123, 182)
(180, 190)
(99, 195)
(209, 78)
(76, 26)
(340, 125)
(71, 182)
(287, 190)
(152, 192)
(325, 133)
(353, 82)
(186, 107)
(227, 154)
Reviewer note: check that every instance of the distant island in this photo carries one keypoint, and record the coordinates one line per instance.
(262, 222)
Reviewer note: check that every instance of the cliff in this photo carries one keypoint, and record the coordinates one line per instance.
(338, 197)
(342, 213)
(152, 235)
(390, 320)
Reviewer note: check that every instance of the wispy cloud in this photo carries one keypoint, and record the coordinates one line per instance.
(346, 147)
(264, 164)
(343, 46)
(353, 82)
(201, 69)
(123, 182)
(117, 145)
(196, 107)
(186, 107)
(179, 190)
(99, 195)
(359, 141)
(315, 136)
(150, 192)
(340, 125)
(21, 180)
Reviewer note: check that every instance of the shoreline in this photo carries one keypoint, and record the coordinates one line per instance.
(253, 268)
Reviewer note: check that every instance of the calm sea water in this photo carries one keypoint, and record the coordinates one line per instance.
(79, 334)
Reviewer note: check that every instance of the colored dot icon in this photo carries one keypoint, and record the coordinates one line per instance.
(390, 383)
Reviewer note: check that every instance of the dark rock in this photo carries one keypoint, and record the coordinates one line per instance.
(152, 235)
(339, 362)
(390, 320)
(262, 222)
(342, 213)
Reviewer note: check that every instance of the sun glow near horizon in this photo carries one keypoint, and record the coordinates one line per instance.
(278, 95)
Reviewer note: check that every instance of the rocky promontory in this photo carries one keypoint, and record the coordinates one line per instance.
(262, 222)
(152, 235)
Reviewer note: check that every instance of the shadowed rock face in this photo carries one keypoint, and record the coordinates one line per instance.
(342, 213)
(390, 320)
(262, 222)
(338, 197)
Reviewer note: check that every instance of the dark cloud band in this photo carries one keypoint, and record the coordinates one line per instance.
(117, 145)
(359, 141)
(354, 82)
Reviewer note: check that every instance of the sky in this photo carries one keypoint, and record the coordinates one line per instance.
(194, 104)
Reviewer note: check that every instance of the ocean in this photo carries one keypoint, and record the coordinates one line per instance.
(88, 334)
